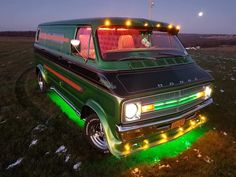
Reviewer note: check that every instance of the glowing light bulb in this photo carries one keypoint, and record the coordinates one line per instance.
(128, 23)
(192, 122)
(170, 26)
(127, 147)
(107, 22)
(164, 136)
(158, 25)
(146, 24)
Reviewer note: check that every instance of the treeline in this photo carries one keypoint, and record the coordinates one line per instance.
(207, 40)
(189, 40)
(18, 33)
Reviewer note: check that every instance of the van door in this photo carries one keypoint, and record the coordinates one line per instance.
(76, 88)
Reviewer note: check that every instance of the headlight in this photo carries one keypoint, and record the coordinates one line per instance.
(132, 111)
(208, 92)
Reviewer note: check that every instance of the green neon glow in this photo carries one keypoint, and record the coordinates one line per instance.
(170, 149)
(154, 155)
(174, 103)
(71, 114)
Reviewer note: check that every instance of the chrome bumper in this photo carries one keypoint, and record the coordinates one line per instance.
(121, 128)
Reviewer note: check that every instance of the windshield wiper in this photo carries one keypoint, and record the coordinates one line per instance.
(163, 54)
(137, 58)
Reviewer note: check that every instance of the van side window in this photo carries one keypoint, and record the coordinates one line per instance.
(86, 43)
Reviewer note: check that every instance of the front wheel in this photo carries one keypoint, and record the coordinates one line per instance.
(94, 133)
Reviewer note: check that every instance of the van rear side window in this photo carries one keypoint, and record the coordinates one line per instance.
(86, 49)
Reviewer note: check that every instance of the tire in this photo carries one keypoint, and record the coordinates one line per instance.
(94, 134)
(41, 83)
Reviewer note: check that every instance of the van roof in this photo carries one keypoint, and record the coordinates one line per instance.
(101, 21)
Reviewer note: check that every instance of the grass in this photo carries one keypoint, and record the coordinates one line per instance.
(27, 115)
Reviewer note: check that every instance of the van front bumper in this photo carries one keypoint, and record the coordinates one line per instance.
(140, 137)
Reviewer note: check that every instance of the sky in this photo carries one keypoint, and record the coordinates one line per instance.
(219, 15)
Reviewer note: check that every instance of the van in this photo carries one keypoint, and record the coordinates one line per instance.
(130, 79)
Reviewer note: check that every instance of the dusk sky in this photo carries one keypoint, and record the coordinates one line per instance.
(219, 16)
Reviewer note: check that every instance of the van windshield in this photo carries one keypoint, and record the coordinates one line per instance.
(118, 44)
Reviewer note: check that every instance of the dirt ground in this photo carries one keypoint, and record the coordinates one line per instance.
(37, 138)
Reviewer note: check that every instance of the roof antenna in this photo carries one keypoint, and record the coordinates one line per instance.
(150, 6)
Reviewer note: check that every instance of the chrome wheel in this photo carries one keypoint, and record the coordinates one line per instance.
(97, 136)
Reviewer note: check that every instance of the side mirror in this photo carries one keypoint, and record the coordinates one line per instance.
(76, 44)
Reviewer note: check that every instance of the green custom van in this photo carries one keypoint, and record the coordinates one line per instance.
(130, 79)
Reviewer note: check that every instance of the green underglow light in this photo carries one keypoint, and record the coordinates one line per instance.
(170, 149)
(155, 154)
(66, 108)
(177, 102)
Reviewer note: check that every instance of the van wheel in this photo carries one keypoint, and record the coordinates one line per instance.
(94, 133)
(41, 83)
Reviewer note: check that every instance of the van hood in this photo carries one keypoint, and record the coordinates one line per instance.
(131, 82)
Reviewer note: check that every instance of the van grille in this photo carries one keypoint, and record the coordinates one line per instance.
(172, 102)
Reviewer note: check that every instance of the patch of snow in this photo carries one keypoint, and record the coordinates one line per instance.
(61, 149)
(76, 166)
(136, 172)
(207, 159)
(209, 71)
(232, 78)
(191, 48)
(225, 134)
(33, 142)
(67, 158)
(222, 91)
(15, 163)
(164, 166)
(4, 121)
(40, 127)
(199, 155)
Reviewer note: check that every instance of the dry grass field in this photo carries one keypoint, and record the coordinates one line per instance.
(38, 139)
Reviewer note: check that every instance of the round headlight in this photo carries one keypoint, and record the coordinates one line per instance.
(208, 91)
(131, 110)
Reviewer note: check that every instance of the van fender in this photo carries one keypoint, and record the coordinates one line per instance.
(42, 71)
(111, 140)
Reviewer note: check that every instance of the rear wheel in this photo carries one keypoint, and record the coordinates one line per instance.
(41, 83)
(94, 133)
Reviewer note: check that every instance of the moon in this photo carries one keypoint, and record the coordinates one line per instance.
(200, 14)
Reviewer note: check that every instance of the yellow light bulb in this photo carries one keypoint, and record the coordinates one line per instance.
(127, 147)
(203, 118)
(181, 129)
(192, 122)
(170, 26)
(164, 136)
(146, 24)
(107, 22)
(158, 25)
(128, 23)
(178, 27)
(146, 141)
